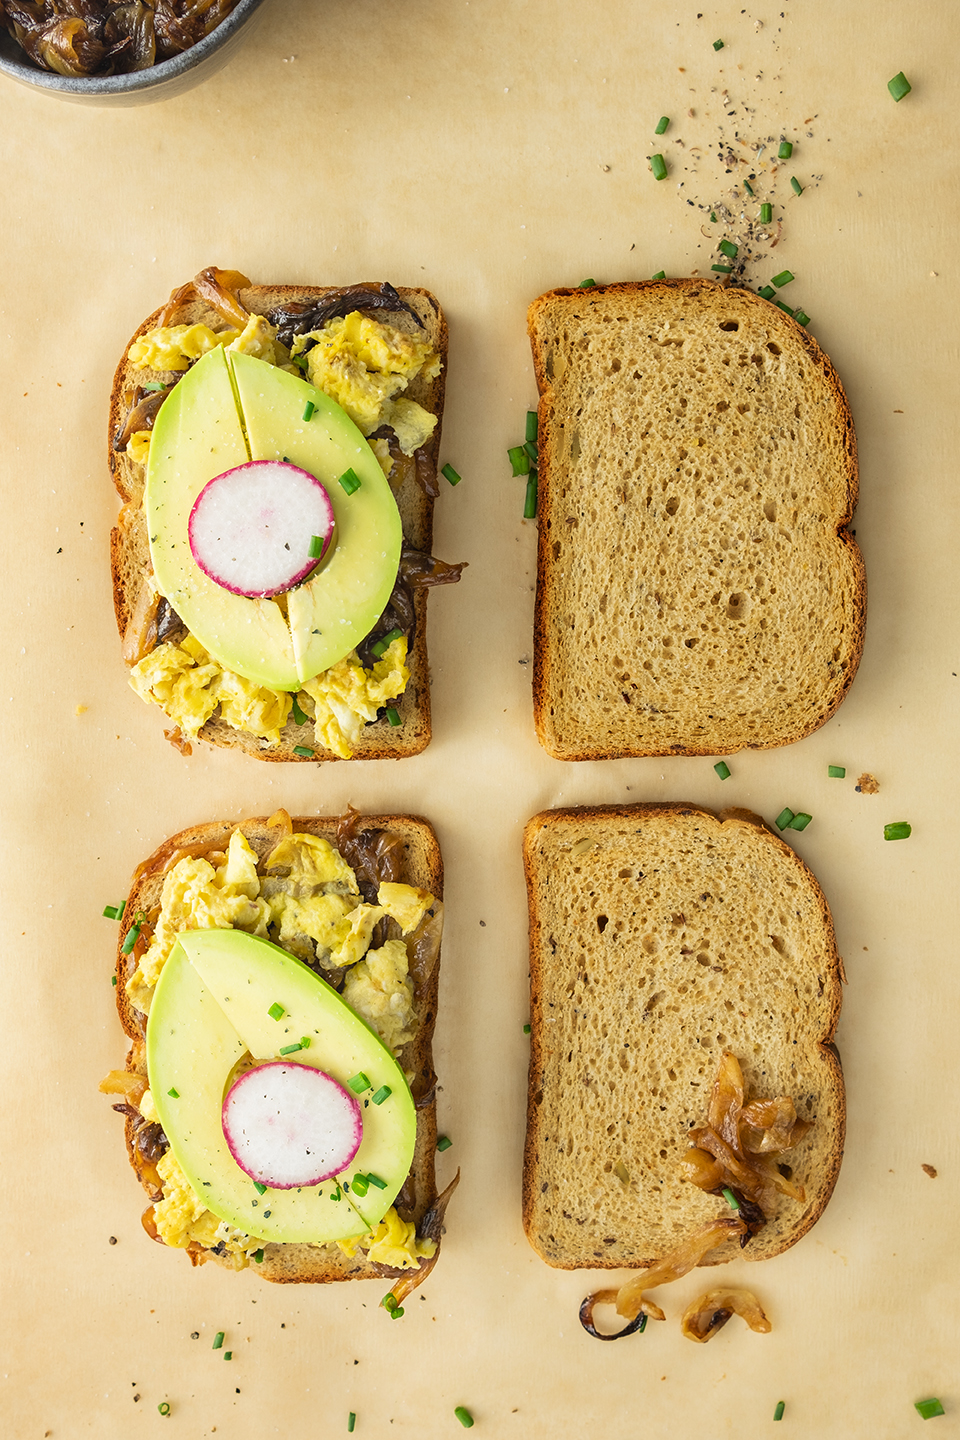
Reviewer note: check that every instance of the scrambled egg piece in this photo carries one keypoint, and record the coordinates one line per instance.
(310, 860)
(404, 903)
(188, 685)
(411, 424)
(393, 1242)
(381, 992)
(182, 1218)
(346, 696)
(138, 446)
(175, 347)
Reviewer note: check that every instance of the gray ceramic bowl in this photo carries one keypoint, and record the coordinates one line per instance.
(142, 87)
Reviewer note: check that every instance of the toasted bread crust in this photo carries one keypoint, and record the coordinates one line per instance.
(669, 668)
(130, 552)
(627, 1031)
(423, 867)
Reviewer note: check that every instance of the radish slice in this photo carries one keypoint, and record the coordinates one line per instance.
(289, 1125)
(251, 528)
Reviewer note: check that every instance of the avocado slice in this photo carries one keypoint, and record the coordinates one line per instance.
(230, 408)
(211, 1007)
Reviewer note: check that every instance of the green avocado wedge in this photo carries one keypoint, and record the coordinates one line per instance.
(230, 408)
(212, 1007)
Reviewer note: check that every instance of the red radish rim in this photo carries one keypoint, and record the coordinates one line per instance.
(268, 1145)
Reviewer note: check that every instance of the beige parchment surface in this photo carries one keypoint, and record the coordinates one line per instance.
(490, 152)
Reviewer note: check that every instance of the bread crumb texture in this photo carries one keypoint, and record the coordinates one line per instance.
(697, 591)
(660, 937)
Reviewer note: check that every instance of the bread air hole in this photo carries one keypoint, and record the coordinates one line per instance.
(729, 324)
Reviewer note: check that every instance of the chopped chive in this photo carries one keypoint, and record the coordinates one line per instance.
(728, 248)
(384, 643)
(218, 1339)
(351, 1420)
(304, 1042)
(359, 1083)
(308, 410)
(155, 385)
(464, 1416)
(785, 151)
(531, 449)
(836, 772)
(350, 481)
(899, 830)
(530, 498)
(660, 275)
(115, 912)
(748, 187)
(174, 1093)
(164, 1407)
(718, 44)
(800, 822)
(526, 1028)
(113, 981)
(258, 1256)
(315, 549)
(662, 123)
(783, 278)
(730, 1198)
(393, 715)
(130, 939)
(450, 474)
(784, 818)
(926, 1409)
(389, 1301)
(519, 459)
(375, 1180)
(659, 167)
(723, 269)
(643, 1325)
(795, 185)
(360, 1186)
(766, 214)
(304, 751)
(778, 1412)
(713, 216)
(586, 284)
(898, 87)
(276, 1011)
(380, 1095)
(297, 713)
(228, 1354)
(722, 769)
(781, 305)
(801, 317)
(766, 292)
(444, 1142)
(289, 1049)
(397, 1313)
(531, 433)
(259, 1186)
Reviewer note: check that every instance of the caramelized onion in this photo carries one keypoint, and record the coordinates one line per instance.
(423, 946)
(299, 319)
(218, 288)
(417, 570)
(140, 636)
(373, 855)
(704, 1317)
(430, 1228)
(608, 1297)
(630, 1297)
(141, 416)
(124, 1082)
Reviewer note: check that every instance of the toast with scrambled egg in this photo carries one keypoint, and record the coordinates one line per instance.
(380, 354)
(278, 879)
(662, 938)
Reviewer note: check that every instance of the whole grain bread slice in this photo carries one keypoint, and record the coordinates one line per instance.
(422, 867)
(698, 591)
(662, 936)
(130, 550)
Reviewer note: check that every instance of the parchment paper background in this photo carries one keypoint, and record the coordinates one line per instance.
(488, 151)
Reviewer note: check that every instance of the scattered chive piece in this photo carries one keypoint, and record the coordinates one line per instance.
(113, 981)
(782, 306)
(305, 751)
(115, 912)
(389, 1301)
(164, 1407)
(259, 1186)
(218, 1339)
(464, 1416)
(748, 187)
(800, 822)
(724, 269)
(785, 151)
(289, 1049)
(444, 1142)
(713, 216)
(174, 1093)
(530, 499)
(730, 1198)
(375, 1180)
(397, 1313)
(801, 317)
(304, 1042)
(836, 772)
(660, 275)
(659, 167)
(728, 248)
(316, 547)
(795, 185)
(718, 44)
(898, 87)
(531, 449)
(450, 474)
(276, 1011)
(350, 481)
(783, 278)
(662, 124)
(926, 1409)
(531, 433)
(258, 1256)
(130, 939)
(297, 713)
(381, 1094)
(228, 1354)
(308, 410)
(778, 1412)
(526, 1028)
(766, 292)
(359, 1083)
(393, 716)
(722, 769)
(784, 818)
(642, 1326)
(384, 643)
(766, 214)
(899, 830)
(360, 1185)
(586, 284)
(519, 459)
(156, 385)
(351, 1420)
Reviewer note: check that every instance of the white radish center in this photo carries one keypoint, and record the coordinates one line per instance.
(289, 1125)
(251, 529)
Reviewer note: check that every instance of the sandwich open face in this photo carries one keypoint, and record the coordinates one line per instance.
(698, 591)
(664, 938)
(276, 452)
(277, 981)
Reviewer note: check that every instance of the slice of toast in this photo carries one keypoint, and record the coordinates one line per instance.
(662, 936)
(422, 867)
(698, 591)
(130, 551)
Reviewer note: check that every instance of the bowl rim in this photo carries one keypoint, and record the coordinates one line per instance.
(129, 82)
